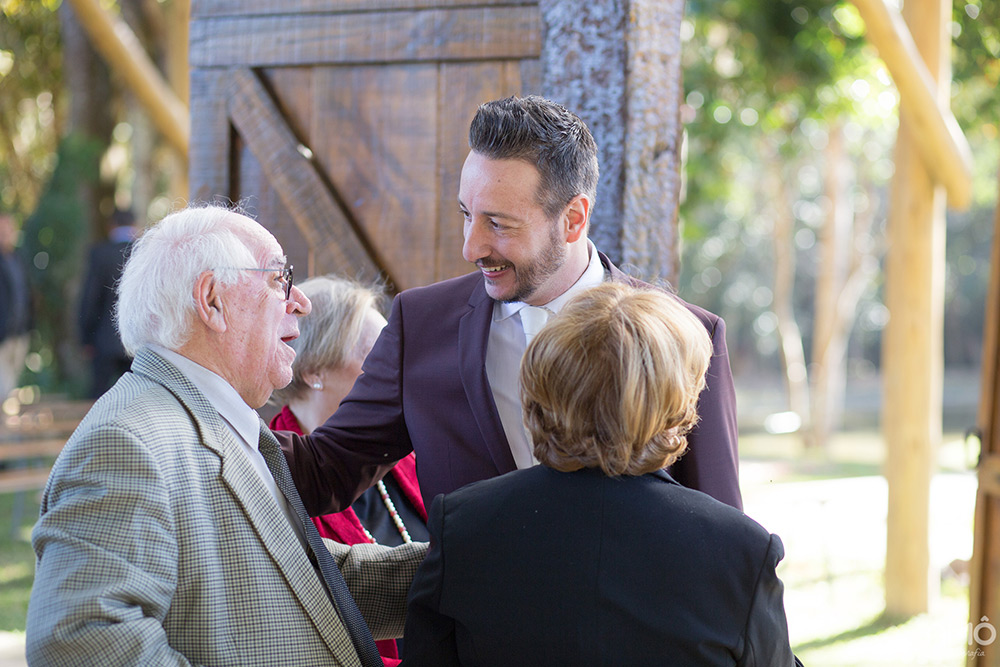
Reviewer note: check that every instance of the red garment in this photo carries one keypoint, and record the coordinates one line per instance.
(345, 527)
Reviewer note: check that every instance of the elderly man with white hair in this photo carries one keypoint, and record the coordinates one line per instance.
(170, 531)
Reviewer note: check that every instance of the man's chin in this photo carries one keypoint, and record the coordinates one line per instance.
(501, 293)
(503, 296)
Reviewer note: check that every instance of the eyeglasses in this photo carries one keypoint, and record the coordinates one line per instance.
(286, 278)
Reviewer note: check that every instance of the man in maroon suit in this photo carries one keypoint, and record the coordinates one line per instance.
(442, 377)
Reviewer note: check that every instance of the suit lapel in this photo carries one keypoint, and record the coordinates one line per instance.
(473, 337)
(260, 508)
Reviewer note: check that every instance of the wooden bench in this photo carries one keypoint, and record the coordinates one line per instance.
(32, 437)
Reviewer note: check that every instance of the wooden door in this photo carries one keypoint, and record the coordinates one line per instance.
(342, 124)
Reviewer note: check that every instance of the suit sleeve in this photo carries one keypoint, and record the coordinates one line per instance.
(379, 578)
(430, 634)
(711, 462)
(107, 556)
(361, 442)
(766, 634)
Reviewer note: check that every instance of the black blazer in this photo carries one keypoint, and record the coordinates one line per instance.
(539, 567)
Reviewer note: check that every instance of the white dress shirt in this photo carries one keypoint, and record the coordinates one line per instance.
(242, 421)
(503, 358)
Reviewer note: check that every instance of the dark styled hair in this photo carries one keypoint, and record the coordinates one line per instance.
(545, 134)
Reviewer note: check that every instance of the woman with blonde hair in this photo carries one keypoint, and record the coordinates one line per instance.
(597, 556)
(333, 341)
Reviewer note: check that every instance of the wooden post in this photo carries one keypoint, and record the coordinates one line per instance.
(942, 145)
(124, 54)
(179, 78)
(617, 64)
(984, 590)
(912, 349)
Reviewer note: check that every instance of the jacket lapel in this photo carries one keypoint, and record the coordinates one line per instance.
(473, 337)
(261, 510)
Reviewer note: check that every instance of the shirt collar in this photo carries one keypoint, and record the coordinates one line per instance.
(241, 417)
(592, 276)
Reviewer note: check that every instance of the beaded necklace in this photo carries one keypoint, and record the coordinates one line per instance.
(396, 519)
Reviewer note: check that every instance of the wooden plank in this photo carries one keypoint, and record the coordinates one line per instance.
(261, 201)
(14, 451)
(943, 147)
(375, 137)
(292, 89)
(208, 8)
(466, 33)
(211, 137)
(291, 171)
(463, 87)
(26, 479)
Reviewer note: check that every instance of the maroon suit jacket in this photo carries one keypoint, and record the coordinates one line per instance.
(424, 389)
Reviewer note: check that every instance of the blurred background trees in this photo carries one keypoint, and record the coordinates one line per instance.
(74, 145)
(790, 120)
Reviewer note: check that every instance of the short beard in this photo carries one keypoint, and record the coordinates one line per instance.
(545, 265)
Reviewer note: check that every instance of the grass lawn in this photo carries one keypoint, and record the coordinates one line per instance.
(830, 511)
(17, 560)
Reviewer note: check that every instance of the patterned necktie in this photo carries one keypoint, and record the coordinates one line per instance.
(361, 636)
(533, 318)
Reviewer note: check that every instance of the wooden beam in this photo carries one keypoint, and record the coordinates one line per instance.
(123, 52)
(246, 7)
(943, 147)
(912, 343)
(984, 589)
(290, 169)
(464, 33)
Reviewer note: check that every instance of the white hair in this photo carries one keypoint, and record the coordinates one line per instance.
(156, 291)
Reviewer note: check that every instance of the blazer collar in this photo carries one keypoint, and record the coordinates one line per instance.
(473, 337)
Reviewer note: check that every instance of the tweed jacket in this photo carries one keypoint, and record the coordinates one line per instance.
(158, 544)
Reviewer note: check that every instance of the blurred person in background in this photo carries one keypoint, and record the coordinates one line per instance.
(597, 556)
(333, 341)
(15, 307)
(108, 360)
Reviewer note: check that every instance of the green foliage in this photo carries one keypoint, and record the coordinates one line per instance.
(55, 239)
(17, 559)
(767, 83)
(30, 99)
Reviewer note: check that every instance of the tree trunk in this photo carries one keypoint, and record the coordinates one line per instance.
(790, 336)
(89, 86)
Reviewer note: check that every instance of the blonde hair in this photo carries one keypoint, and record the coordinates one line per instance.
(612, 382)
(329, 337)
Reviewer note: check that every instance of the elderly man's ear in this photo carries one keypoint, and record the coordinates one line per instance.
(208, 302)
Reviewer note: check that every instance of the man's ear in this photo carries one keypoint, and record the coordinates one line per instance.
(575, 217)
(208, 302)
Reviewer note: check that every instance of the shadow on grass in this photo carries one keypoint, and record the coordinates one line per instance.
(880, 623)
